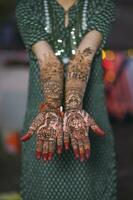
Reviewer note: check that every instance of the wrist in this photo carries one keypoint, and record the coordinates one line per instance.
(73, 100)
(44, 107)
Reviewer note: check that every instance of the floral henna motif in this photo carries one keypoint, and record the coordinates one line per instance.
(76, 127)
(48, 129)
(78, 72)
(48, 123)
(51, 74)
(76, 121)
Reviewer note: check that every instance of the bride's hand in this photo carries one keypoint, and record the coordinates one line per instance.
(47, 126)
(76, 127)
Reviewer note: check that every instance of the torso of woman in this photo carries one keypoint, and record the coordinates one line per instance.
(66, 5)
(68, 179)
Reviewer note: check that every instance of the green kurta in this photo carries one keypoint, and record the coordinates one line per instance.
(67, 178)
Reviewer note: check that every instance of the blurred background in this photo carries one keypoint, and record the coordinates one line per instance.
(118, 78)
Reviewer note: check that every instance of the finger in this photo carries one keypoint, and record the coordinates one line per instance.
(35, 124)
(27, 136)
(60, 142)
(66, 140)
(45, 150)
(51, 149)
(81, 150)
(86, 143)
(96, 129)
(65, 130)
(39, 145)
(75, 147)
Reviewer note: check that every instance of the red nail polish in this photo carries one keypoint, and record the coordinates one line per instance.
(38, 155)
(76, 153)
(67, 146)
(50, 155)
(45, 156)
(100, 132)
(59, 149)
(87, 153)
(82, 158)
(25, 137)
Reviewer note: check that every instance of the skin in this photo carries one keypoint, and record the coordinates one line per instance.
(76, 122)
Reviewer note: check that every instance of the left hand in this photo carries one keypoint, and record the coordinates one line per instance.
(76, 127)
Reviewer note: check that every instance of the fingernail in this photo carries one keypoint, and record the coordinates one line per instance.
(59, 149)
(100, 131)
(67, 146)
(50, 155)
(87, 153)
(25, 138)
(81, 158)
(45, 156)
(38, 155)
(76, 153)
(76, 157)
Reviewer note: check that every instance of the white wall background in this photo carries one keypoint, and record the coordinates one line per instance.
(13, 97)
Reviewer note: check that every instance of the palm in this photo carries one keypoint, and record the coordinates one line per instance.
(48, 129)
(76, 127)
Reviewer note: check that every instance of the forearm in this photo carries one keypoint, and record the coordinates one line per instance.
(91, 40)
(78, 71)
(51, 74)
(52, 81)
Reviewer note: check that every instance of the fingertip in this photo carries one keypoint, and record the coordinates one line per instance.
(76, 154)
(66, 146)
(45, 156)
(87, 153)
(38, 155)
(59, 149)
(101, 133)
(25, 137)
(82, 158)
(50, 155)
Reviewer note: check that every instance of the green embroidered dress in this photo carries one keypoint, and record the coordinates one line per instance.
(67, 178)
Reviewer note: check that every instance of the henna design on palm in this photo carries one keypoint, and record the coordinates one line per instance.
(48, 129)
(77, 122)
(76, 126)
(48, 123)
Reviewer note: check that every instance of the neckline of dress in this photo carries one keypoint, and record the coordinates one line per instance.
(60, 7)
(71, 7)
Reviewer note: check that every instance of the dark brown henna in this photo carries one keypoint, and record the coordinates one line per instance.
(76, 127)
(48, 123)
(48, 128)
(76, 121)
(78, 73)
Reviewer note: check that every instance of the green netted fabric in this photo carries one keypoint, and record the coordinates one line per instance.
(67, 178)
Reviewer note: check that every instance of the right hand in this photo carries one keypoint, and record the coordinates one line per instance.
(47, 126)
